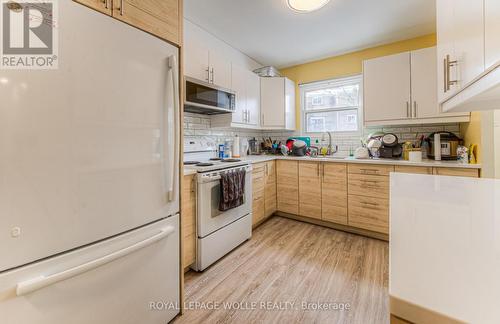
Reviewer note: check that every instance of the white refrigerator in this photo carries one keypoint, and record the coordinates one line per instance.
(89, 175)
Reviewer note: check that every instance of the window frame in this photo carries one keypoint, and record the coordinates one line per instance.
(318, 85)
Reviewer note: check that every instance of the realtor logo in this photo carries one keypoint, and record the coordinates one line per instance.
(29, 35)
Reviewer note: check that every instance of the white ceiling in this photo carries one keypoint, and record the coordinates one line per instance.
(271, 33)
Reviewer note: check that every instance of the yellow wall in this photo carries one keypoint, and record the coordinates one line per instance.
(348, 64)
(471, 132)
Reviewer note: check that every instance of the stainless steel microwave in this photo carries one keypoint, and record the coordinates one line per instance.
(206, 98)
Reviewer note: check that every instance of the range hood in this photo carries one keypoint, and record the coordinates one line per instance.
(207, 98)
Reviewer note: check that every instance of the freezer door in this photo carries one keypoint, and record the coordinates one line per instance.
(132, 278)
(89, 150)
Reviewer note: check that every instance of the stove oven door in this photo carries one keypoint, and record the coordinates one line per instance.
(209, 217)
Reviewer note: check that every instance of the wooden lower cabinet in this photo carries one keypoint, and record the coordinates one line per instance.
(310, 189)
(370, 213)
(270, 189)
(188, 212)
(412, 169)
(258, 207)
(288, 186)
(457, 172)
(368, 187)
(334, 193)
(352, 194)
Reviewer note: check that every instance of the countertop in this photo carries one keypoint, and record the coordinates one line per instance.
(424, 163)
(444, 249)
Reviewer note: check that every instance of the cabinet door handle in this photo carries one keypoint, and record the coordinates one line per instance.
(448, 64)
(415, 109)
(121, 8)
(445, 76)
(212, 77)
(105, 2)
(408, 114)
(369, 204)
(208, 74)
(318, 166)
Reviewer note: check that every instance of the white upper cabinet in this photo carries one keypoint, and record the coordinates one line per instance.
(423, 83)
(461, 55)
(468, 34)
(445, 48)
(253, 99)
(401, 89)
(205, 64)
(387, 88)
(239, 88)
(220, 70)
(277, 103)
(290, 108)
(469, 39)
(492, 32)
(196, 61)
(246, 86)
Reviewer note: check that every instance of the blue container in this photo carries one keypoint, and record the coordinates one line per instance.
(221, 151)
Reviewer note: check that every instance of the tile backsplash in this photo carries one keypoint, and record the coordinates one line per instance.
(198, 127)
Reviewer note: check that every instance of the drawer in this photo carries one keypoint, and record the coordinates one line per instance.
(188, 185)
(369, 213)
(258, 181)
(457, 172)
(413, 169)
(257, 210)
(368, 185)
(370, 169)
(257, 167)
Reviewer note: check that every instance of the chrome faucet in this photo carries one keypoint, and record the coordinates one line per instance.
(329, 150)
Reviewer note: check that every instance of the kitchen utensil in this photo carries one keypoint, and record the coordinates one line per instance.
(361, 153)
(389, 140)
(253, 148)
(299, 148)
(446, 149)
(415, 156)
(284, 150)
(306, 139)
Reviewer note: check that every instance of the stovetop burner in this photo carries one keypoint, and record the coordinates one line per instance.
(191, 162)
(204, 164)
(215, 159)
(231, 160)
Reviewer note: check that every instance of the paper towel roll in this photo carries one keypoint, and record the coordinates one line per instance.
(437, 147)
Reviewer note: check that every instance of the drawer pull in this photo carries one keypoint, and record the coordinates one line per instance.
(369, 203)
(369, 171)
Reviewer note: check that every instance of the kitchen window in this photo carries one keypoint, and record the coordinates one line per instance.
(332, 106)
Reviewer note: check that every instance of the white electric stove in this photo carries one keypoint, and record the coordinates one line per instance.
(218, 232)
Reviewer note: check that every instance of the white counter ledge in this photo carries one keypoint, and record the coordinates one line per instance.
(444, 249)
(188, 172)
(424, 163)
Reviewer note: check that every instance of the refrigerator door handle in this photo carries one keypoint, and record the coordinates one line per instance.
(40, 282)
(172, 125)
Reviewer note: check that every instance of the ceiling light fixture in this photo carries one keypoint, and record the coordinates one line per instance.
(306, 5)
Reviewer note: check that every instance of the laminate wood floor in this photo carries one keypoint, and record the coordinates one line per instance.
(287, 261)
